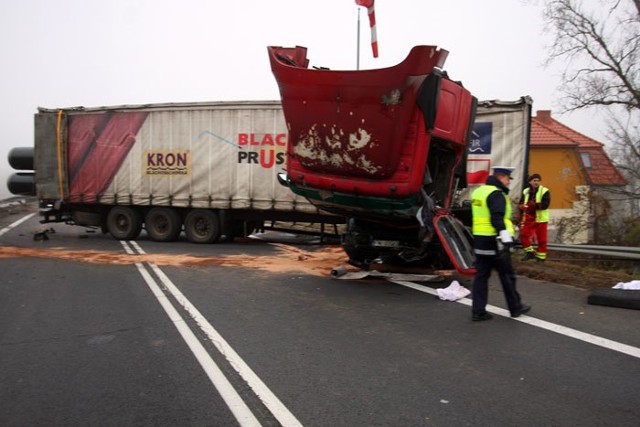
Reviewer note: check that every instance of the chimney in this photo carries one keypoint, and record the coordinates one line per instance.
(544, 116)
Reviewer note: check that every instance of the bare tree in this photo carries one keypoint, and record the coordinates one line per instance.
(600, 47)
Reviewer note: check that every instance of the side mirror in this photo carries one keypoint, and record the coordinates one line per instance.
(282, 179)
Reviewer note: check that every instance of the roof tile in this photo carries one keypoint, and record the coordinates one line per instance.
(548, 132)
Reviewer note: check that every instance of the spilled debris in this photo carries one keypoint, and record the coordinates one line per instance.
(286, 259)
(43, 235)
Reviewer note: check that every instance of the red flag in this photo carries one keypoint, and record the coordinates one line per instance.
(372, 23)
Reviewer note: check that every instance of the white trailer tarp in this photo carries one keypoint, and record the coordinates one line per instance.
(204, 155)
(501, 137)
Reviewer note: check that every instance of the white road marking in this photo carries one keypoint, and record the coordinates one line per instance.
(238, 407)
(268, 398)
(562, 330)
(283, 415)
(15, 224)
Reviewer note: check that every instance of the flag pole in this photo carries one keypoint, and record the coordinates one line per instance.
(358, 43)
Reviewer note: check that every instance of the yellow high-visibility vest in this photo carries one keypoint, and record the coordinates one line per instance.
(542, 215)
(481, 224)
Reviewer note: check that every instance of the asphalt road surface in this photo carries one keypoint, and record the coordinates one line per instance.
(136, 337)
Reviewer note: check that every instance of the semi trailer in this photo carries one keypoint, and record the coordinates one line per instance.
(208, 169)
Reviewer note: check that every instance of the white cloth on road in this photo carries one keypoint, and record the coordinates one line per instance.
(634, 284)
(453, 292)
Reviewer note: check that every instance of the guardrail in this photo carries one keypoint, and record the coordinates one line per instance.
(613, 251)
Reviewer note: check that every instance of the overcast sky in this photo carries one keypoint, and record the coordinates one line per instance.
(92, 53)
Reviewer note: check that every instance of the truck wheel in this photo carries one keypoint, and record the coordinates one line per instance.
(163, 224)
(359, 256)
(622, 298)
(124, 223)
(202, 226)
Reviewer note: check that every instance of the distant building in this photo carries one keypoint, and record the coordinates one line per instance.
(582, 179)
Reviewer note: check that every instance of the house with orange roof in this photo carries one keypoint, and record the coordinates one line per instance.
(581, 177)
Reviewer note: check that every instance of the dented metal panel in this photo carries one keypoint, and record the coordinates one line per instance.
(362, 132)
(335, 149)
(383, 147)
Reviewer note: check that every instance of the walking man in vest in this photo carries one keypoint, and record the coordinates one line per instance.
(535, 217)
(493, 232)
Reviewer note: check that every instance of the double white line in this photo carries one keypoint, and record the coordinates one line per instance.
(234, 401)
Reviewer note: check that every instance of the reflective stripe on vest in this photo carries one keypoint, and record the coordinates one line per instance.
(542, 215)
(481, 224)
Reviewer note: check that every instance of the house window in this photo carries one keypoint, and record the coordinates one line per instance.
(586, 160)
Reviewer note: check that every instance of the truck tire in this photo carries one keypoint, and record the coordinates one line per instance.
(355, 244)
(202, 226)
(124, 223)
(621, 298)
(360, 257)
(163, 224)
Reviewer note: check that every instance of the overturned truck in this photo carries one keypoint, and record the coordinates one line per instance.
(208, 169)
(386, 148)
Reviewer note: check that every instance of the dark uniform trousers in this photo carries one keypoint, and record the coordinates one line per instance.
(480, 292)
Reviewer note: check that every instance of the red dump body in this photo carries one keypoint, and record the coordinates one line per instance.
(362, 132)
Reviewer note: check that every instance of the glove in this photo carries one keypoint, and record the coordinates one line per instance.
(505, 237)
(529, 207)
(505, 241)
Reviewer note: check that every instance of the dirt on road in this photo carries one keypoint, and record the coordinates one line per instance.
(559, 268)
(585, 274)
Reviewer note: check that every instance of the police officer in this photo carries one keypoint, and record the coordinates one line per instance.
(493, 232)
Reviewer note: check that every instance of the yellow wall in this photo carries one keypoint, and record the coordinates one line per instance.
(561, 171)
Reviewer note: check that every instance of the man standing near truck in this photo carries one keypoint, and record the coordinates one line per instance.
(534, 205)
(493, 232)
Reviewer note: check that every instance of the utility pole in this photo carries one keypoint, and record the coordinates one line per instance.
(358, 43)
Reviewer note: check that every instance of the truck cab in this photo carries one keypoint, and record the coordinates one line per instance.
(386, 148)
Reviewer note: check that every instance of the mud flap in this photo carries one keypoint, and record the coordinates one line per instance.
(457, 241)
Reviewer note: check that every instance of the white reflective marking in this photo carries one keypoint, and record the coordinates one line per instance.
(543, 324)
(240, 410)
(126, 247)
(268, 398)
(15, 224)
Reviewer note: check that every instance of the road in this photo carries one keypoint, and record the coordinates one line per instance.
(94, 331)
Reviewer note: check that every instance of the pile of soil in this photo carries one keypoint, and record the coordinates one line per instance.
(583, 274)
